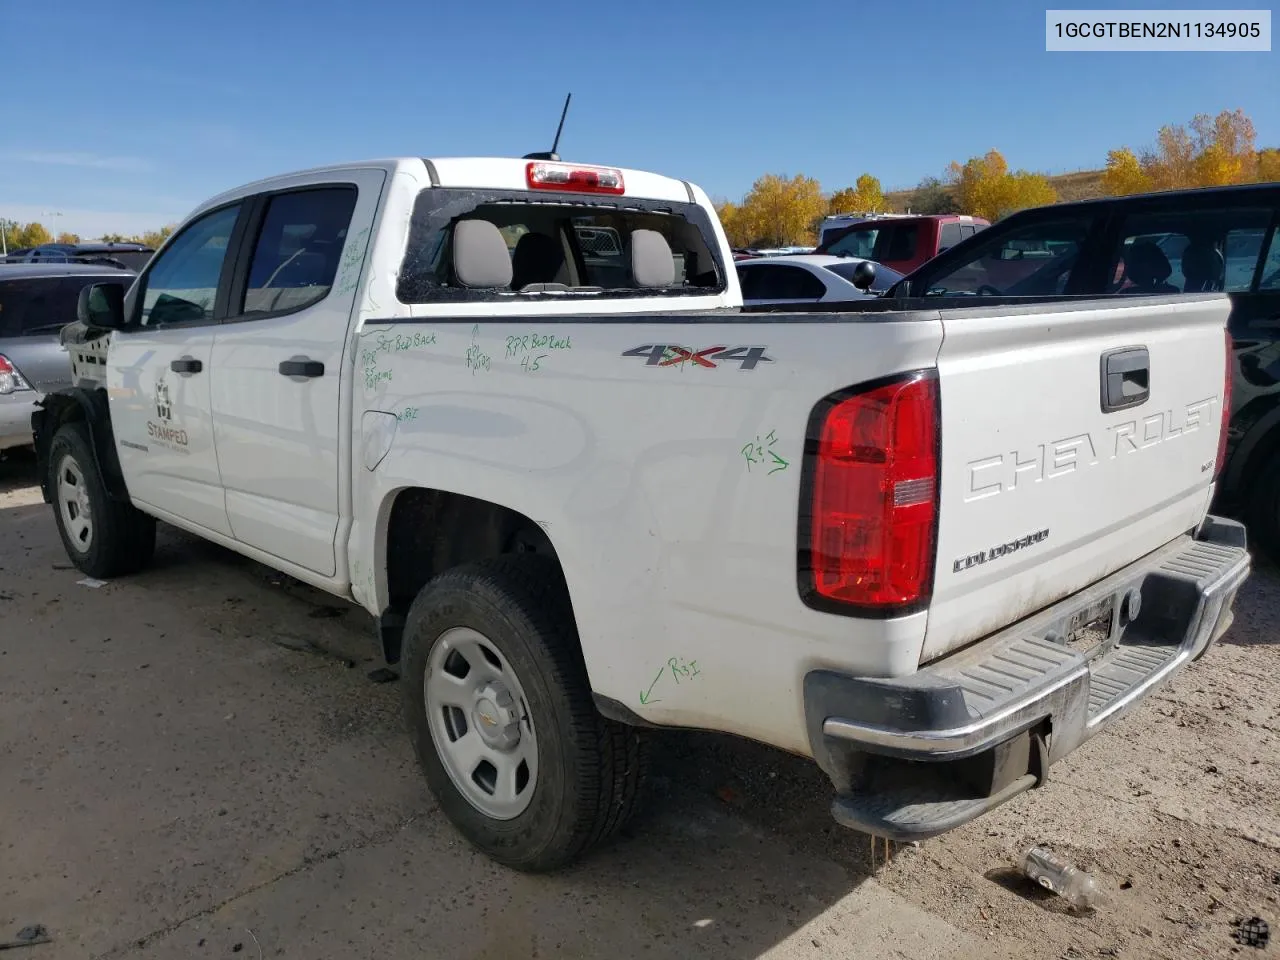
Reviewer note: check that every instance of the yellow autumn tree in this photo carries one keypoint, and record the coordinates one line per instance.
(1225, 151)
(731, 220)
(24, 235)
(866, 197)
(153, 238)
(68, 238)
(1124, 174)
(1215, 151)
(1268, 165)
(779, 210)
(984, 186)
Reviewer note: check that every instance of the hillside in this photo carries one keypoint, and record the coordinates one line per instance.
(1079, 185)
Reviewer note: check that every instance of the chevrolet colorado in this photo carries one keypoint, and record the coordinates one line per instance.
(514, 409)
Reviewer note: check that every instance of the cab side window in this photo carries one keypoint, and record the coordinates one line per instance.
(1034, 260)
(298, 249)
(1188, 251)
(182, 282)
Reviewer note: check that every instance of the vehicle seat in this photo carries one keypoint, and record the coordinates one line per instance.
(538, 258)
(1148, 269)
(651, 262)
(480, 256)
(1202, 267)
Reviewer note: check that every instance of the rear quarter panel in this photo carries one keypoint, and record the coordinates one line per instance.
(667, 481)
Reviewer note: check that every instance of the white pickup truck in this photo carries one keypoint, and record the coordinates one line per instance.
(514, 409)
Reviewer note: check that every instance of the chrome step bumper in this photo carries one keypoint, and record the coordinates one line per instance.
(989, 720)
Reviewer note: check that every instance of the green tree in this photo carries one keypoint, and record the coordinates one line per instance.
(931, 195)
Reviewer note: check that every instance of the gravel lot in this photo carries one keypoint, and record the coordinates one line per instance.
(197, 764)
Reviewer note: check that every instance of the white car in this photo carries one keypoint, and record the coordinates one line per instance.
(582, 496)
(809, 278)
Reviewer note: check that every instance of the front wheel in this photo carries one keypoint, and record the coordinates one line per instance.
(103, 537)
(500, 711)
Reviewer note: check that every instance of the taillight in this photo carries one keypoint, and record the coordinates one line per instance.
(1228, 385)
(546, 175)
(10, 379)
(872, 483)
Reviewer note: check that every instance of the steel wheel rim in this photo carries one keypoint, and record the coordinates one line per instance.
(73, 503)
(479, 719)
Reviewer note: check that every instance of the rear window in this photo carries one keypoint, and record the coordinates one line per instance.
(562, 245)
(31, 306)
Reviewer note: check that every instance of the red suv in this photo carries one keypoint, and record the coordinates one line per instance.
(902, 243)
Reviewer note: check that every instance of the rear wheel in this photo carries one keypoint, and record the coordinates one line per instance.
(1262, 510)
(500, 711)
(103, 537)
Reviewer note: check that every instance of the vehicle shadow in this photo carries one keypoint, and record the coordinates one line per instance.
(1253, 625)
(735, 854)
(17, 469)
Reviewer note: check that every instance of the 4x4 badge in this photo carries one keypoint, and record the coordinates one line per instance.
(673, 355)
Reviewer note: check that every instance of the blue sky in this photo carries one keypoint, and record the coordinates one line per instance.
(125, 116)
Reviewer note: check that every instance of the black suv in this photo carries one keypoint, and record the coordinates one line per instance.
(132, 256)
(1184, 241)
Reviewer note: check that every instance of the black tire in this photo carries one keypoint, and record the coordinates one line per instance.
(590, 769)
(1262, 509)
(122, 538)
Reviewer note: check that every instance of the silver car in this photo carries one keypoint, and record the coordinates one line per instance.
(36, 301)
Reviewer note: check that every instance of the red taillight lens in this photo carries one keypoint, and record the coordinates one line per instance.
(1228, 385)
(874, 505)
(546, 175)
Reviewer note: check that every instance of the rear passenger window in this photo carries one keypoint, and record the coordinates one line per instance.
(898, 242)
(298, 249)
(1188, 251)
(949, 236)
(28, 306)
(778, 282)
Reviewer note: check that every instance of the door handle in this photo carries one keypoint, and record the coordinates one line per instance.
(301, 367)
(1126, 378)
(186, 365)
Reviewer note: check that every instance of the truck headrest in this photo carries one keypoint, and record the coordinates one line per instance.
(651, 262)
(480, 256)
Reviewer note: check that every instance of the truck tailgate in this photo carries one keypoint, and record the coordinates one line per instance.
(1043, 491)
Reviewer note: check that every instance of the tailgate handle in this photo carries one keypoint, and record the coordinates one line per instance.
(1126, 378)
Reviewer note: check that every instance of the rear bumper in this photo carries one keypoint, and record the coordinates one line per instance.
(15, 418)
(915, 756)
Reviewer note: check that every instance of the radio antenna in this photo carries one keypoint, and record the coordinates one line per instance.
(555, 144)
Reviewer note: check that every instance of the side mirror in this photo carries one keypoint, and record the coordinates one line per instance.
(864, 274)
(102, 305)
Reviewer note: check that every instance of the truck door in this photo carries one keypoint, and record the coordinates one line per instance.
(277, 365)
(158, 375)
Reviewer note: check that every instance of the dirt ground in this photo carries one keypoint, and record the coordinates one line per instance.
(195, 762)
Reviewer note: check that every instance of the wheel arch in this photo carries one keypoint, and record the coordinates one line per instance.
(1261, 440)
(89, 405)
(423, 531)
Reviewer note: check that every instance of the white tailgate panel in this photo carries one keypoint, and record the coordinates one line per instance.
(1042, 492)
